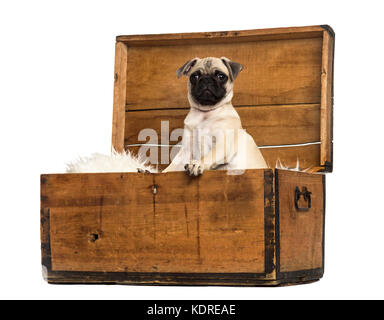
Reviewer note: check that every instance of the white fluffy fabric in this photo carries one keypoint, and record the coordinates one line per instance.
(116, 162)
(127, 162)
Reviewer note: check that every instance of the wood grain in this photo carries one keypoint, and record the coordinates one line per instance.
(119, 97)
(223, 36)
(301, 232)
(101, 223)
(308, 156)
(327, 101)
(268, 125)
(276, 72)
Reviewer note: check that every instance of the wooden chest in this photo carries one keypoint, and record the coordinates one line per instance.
(264, 227)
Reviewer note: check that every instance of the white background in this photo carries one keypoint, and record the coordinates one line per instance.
(56, 89)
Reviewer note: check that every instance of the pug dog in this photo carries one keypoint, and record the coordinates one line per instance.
(213, 137)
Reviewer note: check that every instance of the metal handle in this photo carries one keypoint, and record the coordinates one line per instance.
(307, 197)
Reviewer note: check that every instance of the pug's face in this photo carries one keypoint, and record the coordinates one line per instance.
(210, 80)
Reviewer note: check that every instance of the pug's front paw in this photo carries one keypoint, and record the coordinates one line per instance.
(194, 168)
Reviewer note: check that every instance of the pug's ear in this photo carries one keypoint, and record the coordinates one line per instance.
(234, 68)
(186, 67)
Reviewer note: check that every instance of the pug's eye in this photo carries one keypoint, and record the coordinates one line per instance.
(221, 76)
(195, 76)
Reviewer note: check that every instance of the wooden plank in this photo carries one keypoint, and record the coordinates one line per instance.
(119, 97)
(222, 217)
(92, 217)
(136, 121)
(308, 156)
(101, 223)
(301, 232)
(276, 72)
(172, 279)
(223, 36)
(327, 102)
(268, 125)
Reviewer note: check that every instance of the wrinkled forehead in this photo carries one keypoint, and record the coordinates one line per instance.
(210, 65)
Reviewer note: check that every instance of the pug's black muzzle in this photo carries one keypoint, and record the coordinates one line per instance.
(207, 90)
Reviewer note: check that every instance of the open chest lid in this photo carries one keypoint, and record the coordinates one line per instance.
(284, 95)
